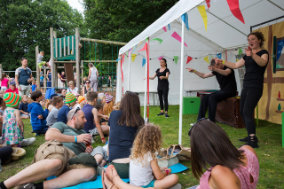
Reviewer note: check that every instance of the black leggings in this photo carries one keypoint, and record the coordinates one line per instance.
(163, 97)
(210, 101)
(249, 100)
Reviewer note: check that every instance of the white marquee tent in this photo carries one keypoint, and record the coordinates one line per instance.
(225, 33)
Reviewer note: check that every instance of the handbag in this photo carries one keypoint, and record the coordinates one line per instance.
(167, 158)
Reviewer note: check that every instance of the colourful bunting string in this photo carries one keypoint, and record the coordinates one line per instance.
(133, 57)
(240, 51)
(144, 48)
(176, 59)
(177, 37)
(121, 69)
(206, 59)
(208, 3)
(165, 29)
(184, 18)
(235, 9)
(158, 39)
(219, 55)
(169, 26)
(161, 57)
(203, 14)
(189, 58)
(143, 62)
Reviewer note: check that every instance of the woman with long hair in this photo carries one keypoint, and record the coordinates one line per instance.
(124, 124)
(163, 86)
(255, 62)
(217, 162)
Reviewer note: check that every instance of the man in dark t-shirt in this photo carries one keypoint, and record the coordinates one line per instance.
(228, 88)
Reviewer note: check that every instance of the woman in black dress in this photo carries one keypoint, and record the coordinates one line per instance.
(255, 62)
(163, 86)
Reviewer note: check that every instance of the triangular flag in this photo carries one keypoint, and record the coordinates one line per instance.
(184, 18)
(133, 57)
(206, 58)
(189, 58)
(279, 96)
(161, 57)
(143, 62)
(235, 9)
(169, 26)
(219, 55)
(279, 107)
(165, 29)
(144, 48)
(177, 37)
(176, 59)
(208, 3)
(240, 51)
(203, 14)
(158, 39)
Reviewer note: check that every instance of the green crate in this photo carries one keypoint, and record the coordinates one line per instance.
(191, 105)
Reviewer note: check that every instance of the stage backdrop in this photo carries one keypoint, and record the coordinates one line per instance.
(271, 105)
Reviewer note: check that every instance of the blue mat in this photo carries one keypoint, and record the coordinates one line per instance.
(177, 168)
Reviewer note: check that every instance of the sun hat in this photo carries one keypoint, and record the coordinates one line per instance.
(12, 99)
(80, 99)
(69, 98)
(108, 98)
(18, 153)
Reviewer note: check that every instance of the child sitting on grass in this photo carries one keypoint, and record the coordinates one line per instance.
(13, 127)
(57, 102)
(38, 115)
(144, 170)
(108, 106)
(23, 108)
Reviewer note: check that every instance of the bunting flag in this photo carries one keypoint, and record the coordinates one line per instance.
(158, 39)
(165, 29)
(184, 18)
(160, 58)
(279, 107)
(176, 59)
(279, 96)
(206, 59)
(219, 55)
(235, 9)
(118, 59)
(144, 48)
(189, 58)
(169, 26)
(133, 57)
(177, 37)
(240, 51)
(143, 62)
(203, 14)
(208, 3)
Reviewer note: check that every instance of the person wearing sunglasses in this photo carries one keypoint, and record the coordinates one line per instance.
(62, 155)
(228, 88)
(217, 163)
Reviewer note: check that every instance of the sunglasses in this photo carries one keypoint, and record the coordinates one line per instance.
(190, 130)
(77, 109)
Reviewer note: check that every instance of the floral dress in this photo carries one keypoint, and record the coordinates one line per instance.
(11, 132)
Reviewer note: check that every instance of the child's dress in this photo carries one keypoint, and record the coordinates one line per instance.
(11, 132)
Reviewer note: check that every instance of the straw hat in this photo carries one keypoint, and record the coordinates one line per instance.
(18, 153)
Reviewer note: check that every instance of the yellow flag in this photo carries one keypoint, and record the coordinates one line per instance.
(206, 58)
(133, 57)
(203, 14)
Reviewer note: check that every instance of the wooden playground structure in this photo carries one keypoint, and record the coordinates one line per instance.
(65, 53)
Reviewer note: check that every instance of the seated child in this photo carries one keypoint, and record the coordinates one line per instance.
(70, 102)
(12, 88)
(4, 82)
(23, 108)
(108, 106)
(13, 127)
(81, 101)
(33, 86)
(57, 102)
(144, 170)
(38, 115)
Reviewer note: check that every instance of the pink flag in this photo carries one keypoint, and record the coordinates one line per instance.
(208, 3)
(189, 58)
(121, 63)
(160, 58)
(177, 37)
(165, 29)
(235, 9)
(144, 48)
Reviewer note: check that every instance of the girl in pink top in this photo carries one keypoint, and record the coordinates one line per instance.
(4, 82)
(225, 165)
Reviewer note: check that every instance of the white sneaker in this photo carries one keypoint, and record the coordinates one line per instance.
(192, 124)
(27, 141)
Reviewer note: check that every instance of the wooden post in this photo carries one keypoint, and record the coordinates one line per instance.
(1, 70)
(37, 68)
(82, 71)
(77, 38)
(51, 60)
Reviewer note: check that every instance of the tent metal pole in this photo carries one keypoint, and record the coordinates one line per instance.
(129, 65)
(118, 81)
(145, 93)
(181, 85)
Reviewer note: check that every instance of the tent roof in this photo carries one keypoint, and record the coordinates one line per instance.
(223, 28)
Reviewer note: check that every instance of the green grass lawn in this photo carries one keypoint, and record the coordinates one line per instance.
(270, 153)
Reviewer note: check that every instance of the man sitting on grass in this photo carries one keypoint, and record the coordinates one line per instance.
(58, 157)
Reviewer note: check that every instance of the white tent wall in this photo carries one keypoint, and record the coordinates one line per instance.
(169, 48)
